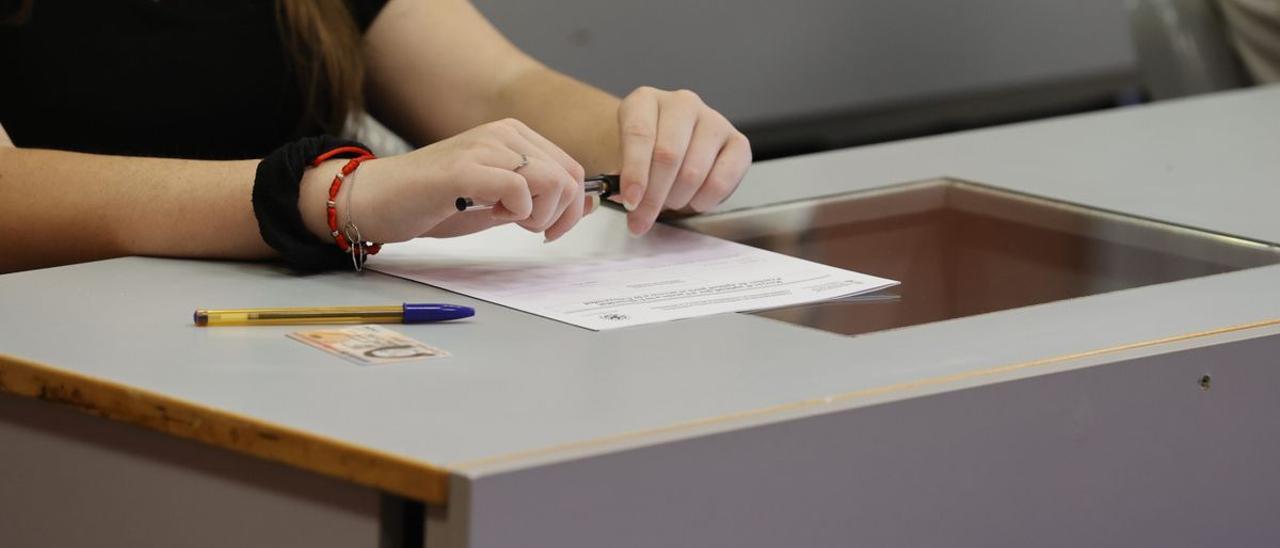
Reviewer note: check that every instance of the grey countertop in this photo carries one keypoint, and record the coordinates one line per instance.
(521, 390)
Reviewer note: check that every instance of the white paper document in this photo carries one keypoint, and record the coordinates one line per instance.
(599, 277)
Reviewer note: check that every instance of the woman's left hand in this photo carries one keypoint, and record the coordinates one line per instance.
(677, 153)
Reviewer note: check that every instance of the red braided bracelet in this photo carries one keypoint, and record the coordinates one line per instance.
(348, 239)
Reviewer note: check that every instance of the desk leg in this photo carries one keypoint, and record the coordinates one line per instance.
(402, 522)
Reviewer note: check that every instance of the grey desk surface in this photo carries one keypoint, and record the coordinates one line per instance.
(521, 390)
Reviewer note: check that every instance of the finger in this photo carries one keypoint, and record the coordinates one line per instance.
(512, 139)
(676, 120)
(520, 138)
(570, 216)
(501, 157)
(731, 165)
(705, 145)
(570, 194)
(514, 153)
(547, 182)
(638, 122)
(551, 150)
(508, 190)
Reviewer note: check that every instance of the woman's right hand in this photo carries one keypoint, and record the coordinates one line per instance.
(399, 198)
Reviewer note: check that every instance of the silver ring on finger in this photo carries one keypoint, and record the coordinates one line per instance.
(524, 161)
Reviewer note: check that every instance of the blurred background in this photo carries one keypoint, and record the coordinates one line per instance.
(809, 75)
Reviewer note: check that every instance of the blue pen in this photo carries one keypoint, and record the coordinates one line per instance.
(406, 313)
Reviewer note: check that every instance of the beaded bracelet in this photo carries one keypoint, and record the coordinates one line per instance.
(275, 204)
(348, 238)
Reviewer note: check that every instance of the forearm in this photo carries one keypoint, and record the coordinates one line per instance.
(438, 68)
(581, 119)
(64, 207)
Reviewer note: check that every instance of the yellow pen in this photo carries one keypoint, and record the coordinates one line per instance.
(406, 313)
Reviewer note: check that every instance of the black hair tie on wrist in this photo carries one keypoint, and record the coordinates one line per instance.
(275, 204)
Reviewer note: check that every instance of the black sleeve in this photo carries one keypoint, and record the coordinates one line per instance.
(365, 11)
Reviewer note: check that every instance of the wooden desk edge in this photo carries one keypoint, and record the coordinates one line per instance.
(390, 473)
(394, 474)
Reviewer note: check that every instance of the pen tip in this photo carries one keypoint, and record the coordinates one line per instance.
(201, 318)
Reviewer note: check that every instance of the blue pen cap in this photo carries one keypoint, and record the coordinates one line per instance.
(424, 312)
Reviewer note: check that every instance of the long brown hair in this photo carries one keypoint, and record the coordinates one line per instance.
(324, 44)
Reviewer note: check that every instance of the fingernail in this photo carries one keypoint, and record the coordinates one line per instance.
(631, 197)
(595, 204)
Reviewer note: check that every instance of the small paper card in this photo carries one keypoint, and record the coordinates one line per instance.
(367, 344)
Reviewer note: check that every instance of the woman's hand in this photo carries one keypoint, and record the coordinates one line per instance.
(399, 198)
(677, 153)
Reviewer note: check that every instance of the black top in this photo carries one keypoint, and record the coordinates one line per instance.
(178, 78)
